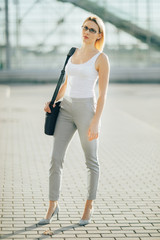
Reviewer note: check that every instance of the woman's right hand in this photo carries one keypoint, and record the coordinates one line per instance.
(47, 108)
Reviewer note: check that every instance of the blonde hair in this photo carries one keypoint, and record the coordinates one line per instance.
(99, 43)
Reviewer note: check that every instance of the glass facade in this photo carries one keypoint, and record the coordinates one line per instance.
(41, 32)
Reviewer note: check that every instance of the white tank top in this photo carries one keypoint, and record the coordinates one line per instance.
(82, 78)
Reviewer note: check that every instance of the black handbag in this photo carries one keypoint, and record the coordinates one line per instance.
(51, 118)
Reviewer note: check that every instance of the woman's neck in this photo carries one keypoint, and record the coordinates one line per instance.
(87, 48)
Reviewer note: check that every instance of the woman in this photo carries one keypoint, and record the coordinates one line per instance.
(80, 111)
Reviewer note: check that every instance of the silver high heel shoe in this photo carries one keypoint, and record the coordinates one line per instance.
(84, 222)
(47, 221)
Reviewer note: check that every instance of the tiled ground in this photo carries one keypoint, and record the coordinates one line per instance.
(128, 198)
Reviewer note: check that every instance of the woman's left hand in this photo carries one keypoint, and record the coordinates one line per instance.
(93, 130)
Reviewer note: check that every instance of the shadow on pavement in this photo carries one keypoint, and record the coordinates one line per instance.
(60, 230)
(47, 232)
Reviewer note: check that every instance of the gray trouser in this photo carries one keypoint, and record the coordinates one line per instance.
(75, 113)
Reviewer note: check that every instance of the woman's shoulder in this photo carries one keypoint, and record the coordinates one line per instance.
(103, 58)
(103, 55)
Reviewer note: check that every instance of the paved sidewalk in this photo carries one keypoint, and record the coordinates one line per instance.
(128, 198)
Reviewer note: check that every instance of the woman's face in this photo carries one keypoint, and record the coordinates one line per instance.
(90, 32)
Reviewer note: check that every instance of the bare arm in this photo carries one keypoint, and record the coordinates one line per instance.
(104, 70)
(62, 90)
(60, 94)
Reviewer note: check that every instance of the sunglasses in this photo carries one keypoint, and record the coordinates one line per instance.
(91, 30)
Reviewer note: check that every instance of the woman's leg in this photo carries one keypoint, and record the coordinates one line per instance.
(92, 163)
(83, 117)
(87, 208)
(52, 206)
(64, 131)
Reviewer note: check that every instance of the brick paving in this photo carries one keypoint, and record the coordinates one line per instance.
(128, 198)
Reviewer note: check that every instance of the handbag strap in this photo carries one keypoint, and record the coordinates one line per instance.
(70, 53)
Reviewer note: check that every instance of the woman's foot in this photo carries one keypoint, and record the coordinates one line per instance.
(87, 214)
(51, 209)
